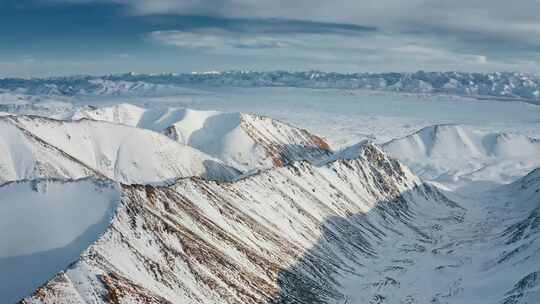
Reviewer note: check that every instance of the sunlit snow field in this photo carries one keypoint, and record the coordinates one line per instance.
(347, 116)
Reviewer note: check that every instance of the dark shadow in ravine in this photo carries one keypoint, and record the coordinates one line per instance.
(218, 171)
(347, 243)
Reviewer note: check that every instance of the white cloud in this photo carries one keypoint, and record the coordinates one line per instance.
(470, 15)
(216, 39)
(376, 52)
(471, 24)
(467, 35)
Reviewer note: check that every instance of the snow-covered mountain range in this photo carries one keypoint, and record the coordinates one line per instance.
(506, 85)
(210, 242)
(125, 204)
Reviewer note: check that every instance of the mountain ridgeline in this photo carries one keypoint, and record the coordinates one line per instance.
(285, 235)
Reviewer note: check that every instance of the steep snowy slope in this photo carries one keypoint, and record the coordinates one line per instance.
(244, 141)
(24, 156)
(286, 235)
(45, 225)
(123, 153)
(454, 153)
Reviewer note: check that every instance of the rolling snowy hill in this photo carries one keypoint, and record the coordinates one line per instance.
(455, 154)
(244, 141)
(41, 147)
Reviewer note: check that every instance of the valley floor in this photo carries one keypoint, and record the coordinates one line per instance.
(470, 260)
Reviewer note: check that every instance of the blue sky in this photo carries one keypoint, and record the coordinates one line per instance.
(63, 37)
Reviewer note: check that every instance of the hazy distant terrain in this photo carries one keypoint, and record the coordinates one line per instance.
(503, 86)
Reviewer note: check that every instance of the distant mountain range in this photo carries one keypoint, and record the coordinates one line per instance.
(503, 85)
